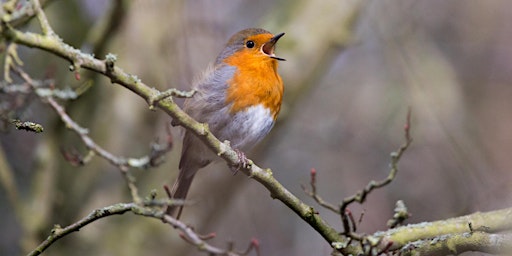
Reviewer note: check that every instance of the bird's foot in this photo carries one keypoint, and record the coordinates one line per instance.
(243, 162)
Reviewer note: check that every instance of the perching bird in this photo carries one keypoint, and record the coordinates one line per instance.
(239, 98)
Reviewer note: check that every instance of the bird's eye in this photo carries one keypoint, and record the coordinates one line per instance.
(249, 44)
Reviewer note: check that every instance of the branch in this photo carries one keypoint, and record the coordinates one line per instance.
(316, 197)
(477, 224)
(144, 210)
(360, 197)
(347, 219)
(454, 244)
(122, 163)
(20, 12)
(488, 222)
(43, 21)
(59, 232)
(400, 215)
(117, 75)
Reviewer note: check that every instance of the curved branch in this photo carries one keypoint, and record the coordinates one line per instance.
(190, 235)
(59, 232)
(475, 224)
(107, 67)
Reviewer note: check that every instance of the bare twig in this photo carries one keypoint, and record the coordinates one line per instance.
(133, 83)
(83, 133)
(11, 59)
(348, 221)
(400, 215)
(360, 196)
(43, 88)
(173, 92)
(391, 239)
(122, 163)
(315, 196)
(43, 21)
(73, 157)
(254, 245)
(59, 232)
(20, 12)
(143, 209)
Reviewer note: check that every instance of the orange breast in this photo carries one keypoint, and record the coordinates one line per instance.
(255, 82)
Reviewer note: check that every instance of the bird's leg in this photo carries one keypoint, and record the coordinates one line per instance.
(244, 162)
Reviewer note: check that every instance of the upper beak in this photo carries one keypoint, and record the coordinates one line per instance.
(268, 47)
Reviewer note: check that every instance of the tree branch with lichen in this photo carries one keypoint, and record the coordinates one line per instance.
(53, 44)
(451, 235)
(147, 208)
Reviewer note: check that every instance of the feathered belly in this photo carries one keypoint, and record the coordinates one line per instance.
(246, 128)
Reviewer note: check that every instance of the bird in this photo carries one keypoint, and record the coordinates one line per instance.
(239, 96)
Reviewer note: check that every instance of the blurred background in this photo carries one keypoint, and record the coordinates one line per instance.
(353, 69)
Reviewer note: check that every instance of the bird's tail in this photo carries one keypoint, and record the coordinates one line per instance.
(194, 156)
(179, 191)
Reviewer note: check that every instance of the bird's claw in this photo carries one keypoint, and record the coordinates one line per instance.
(243, 162)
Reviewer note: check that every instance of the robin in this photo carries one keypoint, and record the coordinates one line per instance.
(239, 97)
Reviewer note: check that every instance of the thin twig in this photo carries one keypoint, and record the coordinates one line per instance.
(265, 177)
(43, 21)
(400, 215)
(83, 133)
(144, 210)
(360, 196)
(315, 196)
(20, 12)
(131, 82)
(122, 163)
(173, 92)
(254, 245)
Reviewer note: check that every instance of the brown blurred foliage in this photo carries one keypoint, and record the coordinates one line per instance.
(352, 70)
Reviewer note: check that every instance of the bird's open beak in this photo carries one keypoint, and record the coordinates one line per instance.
(268, 47)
